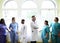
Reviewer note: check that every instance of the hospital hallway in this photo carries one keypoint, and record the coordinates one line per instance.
(24, 11)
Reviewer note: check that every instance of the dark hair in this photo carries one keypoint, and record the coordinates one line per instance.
(2, 21)
(33, 16)
(46, 22)
(22, 21)
(13, 18)
(57, 18)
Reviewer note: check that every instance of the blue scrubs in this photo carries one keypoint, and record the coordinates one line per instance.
(13, 32)
(55, 31)
(44, 31)
(3, 29)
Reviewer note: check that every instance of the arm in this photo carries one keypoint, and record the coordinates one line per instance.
(10, 27)
(6, 28)
(47, 31)
(35, 26)
(59, 31)
(47, 34)
(17, 28)
(25, 29)
(50, 25)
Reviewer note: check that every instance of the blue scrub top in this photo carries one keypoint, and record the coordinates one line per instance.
(3, 29)
(44, 31)
(55, 28)
(14, 26)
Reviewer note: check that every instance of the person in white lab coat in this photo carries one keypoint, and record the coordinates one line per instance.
(34, 28)
(23, 32)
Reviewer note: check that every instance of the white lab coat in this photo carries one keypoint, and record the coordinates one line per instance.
(34, 28)
(23, 34)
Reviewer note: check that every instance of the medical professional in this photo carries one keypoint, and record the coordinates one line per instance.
(3, 29)
(23, 32)
(14, 31)
(45, 32)
(34, 28)
(55, 36)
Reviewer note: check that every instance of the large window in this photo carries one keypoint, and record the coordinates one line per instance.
(9, 11)
(29, 8)
(48, 11)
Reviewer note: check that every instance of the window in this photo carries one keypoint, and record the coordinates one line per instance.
(29, 8)
(9, 11)
(48, 11)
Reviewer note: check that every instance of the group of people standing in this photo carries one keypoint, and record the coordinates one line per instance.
(12, 30)
(55, 35)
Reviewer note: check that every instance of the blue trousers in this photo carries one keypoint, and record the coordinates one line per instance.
(45, 40)
(13, 37)
(58, 39)
(54, 38)
(2, 38)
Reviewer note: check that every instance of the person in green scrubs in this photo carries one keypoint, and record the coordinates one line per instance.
(55, 35)
(45, 32)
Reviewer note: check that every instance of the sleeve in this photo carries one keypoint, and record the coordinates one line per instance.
(17, 26)
(21, 32)
(35, 26)
(47, 30)
(51, 25)
(5, 27)
(58, 30)
(26, 29)
(10, 26)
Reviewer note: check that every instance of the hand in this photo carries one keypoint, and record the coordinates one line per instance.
(16, 32)
(9, 30)
(47, 35)
(59, 35)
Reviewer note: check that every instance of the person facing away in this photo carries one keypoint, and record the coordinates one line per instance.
(23, 32)
(14, 31)
(55, 35)
(34, 28)
(45, 32)
(3, 29)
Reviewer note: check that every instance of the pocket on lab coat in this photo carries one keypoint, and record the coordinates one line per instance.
(34, 35)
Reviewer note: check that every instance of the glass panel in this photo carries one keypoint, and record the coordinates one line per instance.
(8, 14)
(29, 4)
(26, 14)
(10, 5)
(47, 15)
(47, 4)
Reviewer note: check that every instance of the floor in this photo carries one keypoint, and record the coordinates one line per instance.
(29, 42)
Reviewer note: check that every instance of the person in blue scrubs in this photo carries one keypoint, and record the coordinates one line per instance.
(55, 31)
(45, 32)
(14, 31)
(3, 29)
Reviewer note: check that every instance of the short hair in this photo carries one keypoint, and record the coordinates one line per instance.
(22, 21)
(46, 22)
(33, 16)
(13, 18)
(57, 18)
(0, 21)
